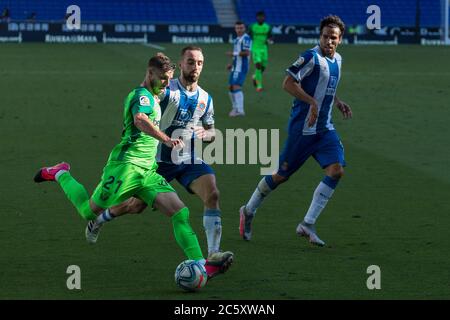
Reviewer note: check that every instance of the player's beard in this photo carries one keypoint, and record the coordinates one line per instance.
(156, 86)
(328, 50)
(191, 77)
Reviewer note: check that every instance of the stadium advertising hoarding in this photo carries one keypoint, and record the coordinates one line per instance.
(191, 33)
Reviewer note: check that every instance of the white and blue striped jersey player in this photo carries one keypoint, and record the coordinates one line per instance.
(240, 66)
(318, 76)
(312, 80)
(182, 110)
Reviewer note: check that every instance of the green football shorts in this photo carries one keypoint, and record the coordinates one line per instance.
(260, 56)
(121, 181)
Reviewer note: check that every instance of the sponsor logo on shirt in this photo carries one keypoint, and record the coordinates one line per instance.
(330, 91)
(333, 81)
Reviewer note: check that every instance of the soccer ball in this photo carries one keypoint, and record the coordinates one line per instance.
(190, 275)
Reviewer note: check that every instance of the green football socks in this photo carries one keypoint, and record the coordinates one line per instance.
(77, 194)
(258, 78)
(185, 236)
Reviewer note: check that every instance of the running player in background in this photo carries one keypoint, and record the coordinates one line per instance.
(312, 80)
(239, 68)
(261, 34)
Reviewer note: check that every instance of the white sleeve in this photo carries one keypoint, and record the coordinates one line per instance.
(208, 117)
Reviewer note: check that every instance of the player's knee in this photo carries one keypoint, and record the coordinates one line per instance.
(136, 207)
(213, 198)
(168, 203)
(277, 179)
(176, 208)
(175, 205)
(337, 173)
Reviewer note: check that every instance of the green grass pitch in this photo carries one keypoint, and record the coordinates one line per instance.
(64, 102)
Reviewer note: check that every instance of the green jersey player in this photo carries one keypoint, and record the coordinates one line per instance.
(261, 34)
(131, 167)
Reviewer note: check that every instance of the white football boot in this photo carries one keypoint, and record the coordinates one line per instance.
(92, 230)
(309, 232)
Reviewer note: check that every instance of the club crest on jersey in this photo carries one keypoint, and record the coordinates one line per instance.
(144, 101)
(201, 105)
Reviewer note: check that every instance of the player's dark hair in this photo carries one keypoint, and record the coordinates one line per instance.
(162, 62)
(190, 48)
(260, 13)
(333, 22)
(239, 22)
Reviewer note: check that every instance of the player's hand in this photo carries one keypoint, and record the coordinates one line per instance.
(177, 144)
(200, 133)
(206, 135)
(345, 109)
(313, 114)
(229, 53)
(229, 66)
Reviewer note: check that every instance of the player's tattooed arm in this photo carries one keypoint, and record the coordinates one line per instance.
(142, 122)
(343, 107)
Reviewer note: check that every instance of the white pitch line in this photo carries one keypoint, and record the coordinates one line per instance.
(152, 45)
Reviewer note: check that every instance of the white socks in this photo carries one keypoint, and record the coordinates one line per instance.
(239, 96)
(233, 99)
(261, 191)
(320, 199)
(213, 229)
(237, 100)
(105, 216)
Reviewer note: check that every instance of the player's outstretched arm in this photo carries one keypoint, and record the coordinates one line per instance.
(294, 88)
(142, 122)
